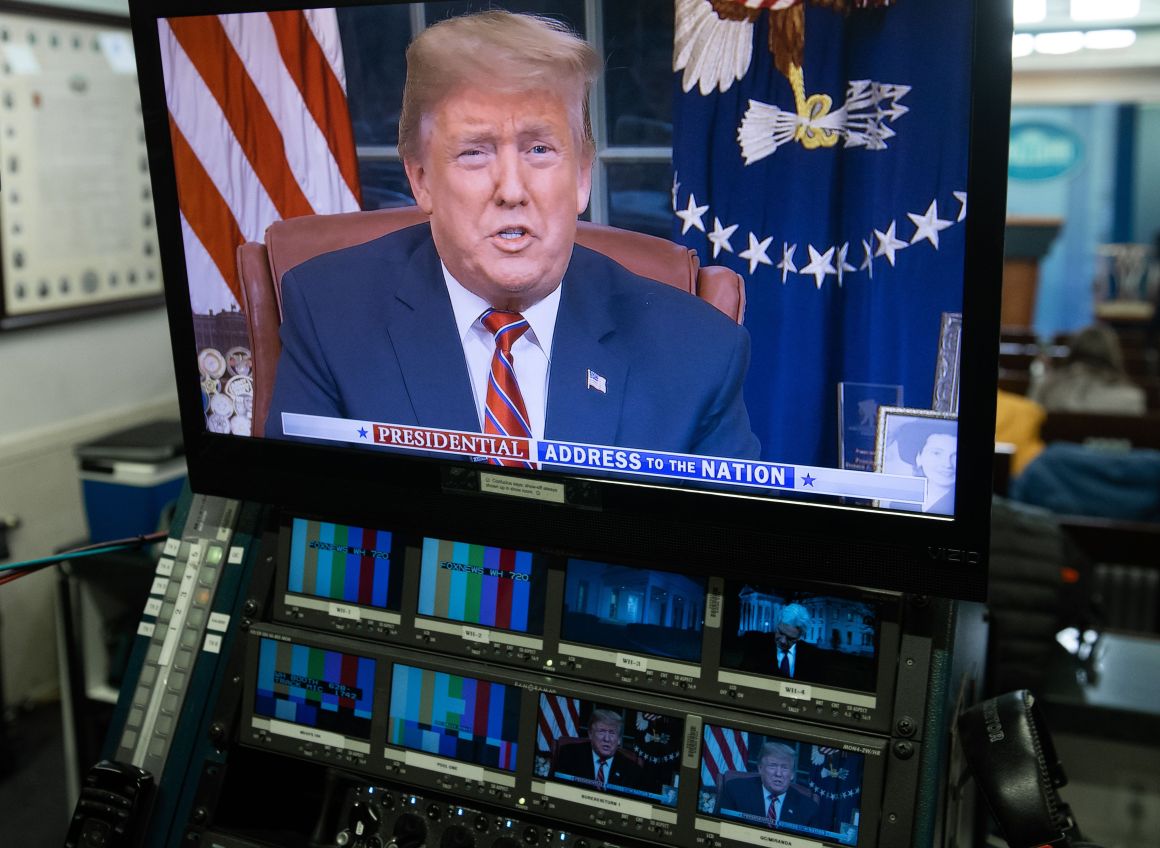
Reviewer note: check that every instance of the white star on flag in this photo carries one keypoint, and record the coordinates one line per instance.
(928, 225)
(720, 237)
(820, 265)
(961, 197)
(888, 243)
(786, 264)
(867, 259)
(755, 253)
(692, 215)
(842, 265)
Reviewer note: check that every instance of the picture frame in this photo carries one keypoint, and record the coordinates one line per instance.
(946, 370)
(77, 231)
(919, 443)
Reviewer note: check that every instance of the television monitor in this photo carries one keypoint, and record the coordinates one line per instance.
(609, 749)
(757, 780)
(490, 587)
(338, 576)
(308, 693)
(823, 641)
(460, 720)
(633, 611)
(872, 337)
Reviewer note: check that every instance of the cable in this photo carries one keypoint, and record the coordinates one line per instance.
(13, 570)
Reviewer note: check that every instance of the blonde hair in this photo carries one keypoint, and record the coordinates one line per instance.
(501, 50)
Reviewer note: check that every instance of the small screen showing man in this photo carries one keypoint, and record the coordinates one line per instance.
(609, 749)
(817, 639)
(781, 784)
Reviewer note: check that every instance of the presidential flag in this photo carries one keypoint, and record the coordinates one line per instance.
(820, 150)
(836, 783)
(260, 130)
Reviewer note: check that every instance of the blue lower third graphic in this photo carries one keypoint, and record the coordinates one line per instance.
(681, 466)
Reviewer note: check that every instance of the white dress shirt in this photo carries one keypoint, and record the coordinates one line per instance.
(769, 796)
(531, 353)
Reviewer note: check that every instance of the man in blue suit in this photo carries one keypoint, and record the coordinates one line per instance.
(490, 318)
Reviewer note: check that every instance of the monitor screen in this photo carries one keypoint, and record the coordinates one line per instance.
(780, 784)
(462, 718)
(821, 360)
(634, 610)
(605, 748)
(343, 564)
(328, 691)
(482, 585)
(826, 640)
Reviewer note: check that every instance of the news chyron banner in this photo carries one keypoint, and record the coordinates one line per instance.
(767, 477)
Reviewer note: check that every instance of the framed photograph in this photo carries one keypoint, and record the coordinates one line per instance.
(946, 370)
(919, 443)
(77, 236)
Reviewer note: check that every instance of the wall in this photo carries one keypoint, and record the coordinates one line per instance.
(1146, 206)
(1083, 197)
(59, 386)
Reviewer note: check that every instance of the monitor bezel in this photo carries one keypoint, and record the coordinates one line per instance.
(717, 533)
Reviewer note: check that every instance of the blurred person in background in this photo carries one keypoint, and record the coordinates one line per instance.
(1091, 379)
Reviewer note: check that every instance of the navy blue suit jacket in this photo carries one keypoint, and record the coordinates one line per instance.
(368, 333)
(745, 795)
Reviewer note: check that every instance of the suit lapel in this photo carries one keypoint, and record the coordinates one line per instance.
(585, 325)
(428, 347)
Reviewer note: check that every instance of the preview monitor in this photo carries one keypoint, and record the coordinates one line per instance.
(609, 750)
(827, 384)
(314, 695)
(633, 611)
(755, 780)
(338, 576)
(815, 639)
(461, 720)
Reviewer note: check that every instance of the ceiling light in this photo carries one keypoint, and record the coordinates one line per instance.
(1058, 43)
(1109, 39)
(1022, 44)
(1104, 10)
(1030, 11)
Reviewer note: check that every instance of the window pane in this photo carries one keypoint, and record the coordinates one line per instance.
(640, 197)
(374, 40)
(570, 12)
(638, 54)
(384, 184)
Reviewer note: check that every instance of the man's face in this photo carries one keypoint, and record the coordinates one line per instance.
(776, 773)
(503, 177)
(938, 458)
(787, 635)
(605, 737)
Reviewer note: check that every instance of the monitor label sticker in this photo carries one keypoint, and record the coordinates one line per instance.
(345, 611)
(692, 753)
(631, 663)
(713, 602)
(537, 490)
(165, 567)
(796, 690)
(153, 606)
(477, 634)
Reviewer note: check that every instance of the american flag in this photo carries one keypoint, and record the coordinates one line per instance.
(723, 749)
(559, 717)
(260, 129)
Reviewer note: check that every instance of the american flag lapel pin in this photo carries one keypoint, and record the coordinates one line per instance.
(597, 381)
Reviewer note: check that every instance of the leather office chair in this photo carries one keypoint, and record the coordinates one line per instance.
(731, 775)
(567, 742)
(293, 241)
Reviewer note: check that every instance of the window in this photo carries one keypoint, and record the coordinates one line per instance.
(631, 105)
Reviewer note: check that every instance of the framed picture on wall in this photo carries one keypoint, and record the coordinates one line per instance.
(77, 235)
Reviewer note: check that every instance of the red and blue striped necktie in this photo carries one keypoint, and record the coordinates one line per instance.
(504, 413)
